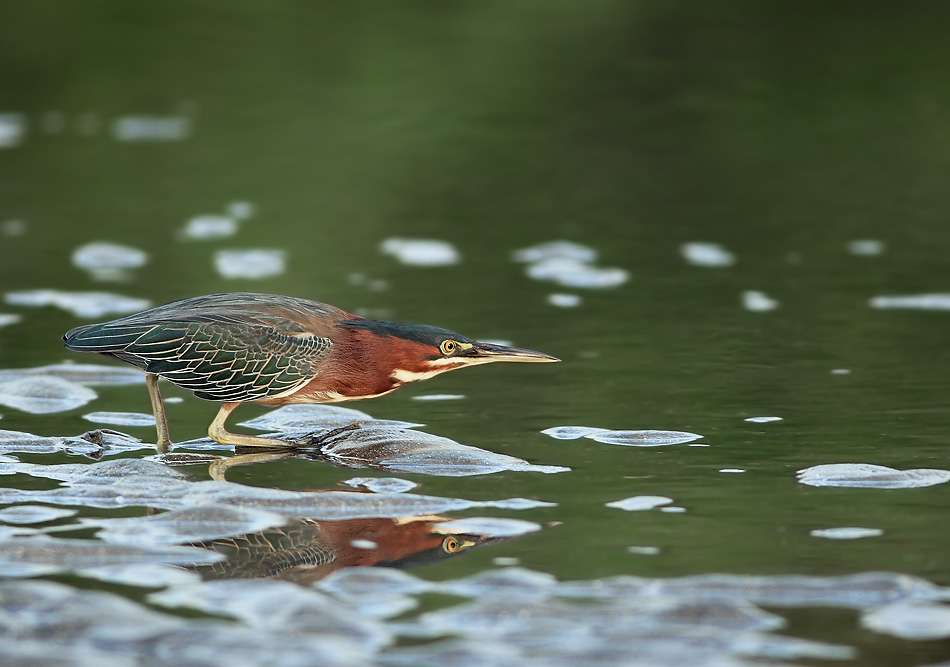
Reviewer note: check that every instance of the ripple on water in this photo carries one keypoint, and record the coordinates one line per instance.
(256, 263)
(44, 394)
(121, 418)
(866, 475)
(647, 438)
(421, 252)
(701, 253)
(80, 304)
(108, 261)
(640, 503)
(847, 533)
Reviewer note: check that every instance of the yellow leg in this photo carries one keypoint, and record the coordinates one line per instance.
(158, 409)
(219, 434)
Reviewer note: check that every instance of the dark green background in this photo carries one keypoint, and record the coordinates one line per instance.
(779, 129)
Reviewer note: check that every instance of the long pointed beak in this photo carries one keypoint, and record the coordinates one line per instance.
(486, 352)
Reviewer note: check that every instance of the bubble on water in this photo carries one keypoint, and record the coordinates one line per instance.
(758, 302)
(7, 319)
(640, 503)
(121, 418)
(12, 129)
(914, 621)
(309, 417)
(576, 274)
(848, 533)
(564, 300)
(44, 394)
(866, 475)
(438, 397)
(151, 128)
(81, 304)
(647, 438)
(184, 526)
(13, 227)
(30, 514)
(762, 420)
(250, 263)
(486, 527)
(865, 247)
(561, 249)
(421, 252)
(644, 551)
(108, 261)
(205, 227)
(241, 210)
(382, 484)
(912, 302)
(701, 253)
(572, 432)
(92, 375)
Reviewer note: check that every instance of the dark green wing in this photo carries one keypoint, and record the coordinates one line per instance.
(218, 362)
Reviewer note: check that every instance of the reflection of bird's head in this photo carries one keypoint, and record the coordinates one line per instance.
(418, 351)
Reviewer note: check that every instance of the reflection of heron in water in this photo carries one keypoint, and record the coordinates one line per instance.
(306, 550)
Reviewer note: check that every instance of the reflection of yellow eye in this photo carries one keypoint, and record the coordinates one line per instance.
(448, 346)
(450, 545)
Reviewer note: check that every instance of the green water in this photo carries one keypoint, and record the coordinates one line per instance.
(778, 130)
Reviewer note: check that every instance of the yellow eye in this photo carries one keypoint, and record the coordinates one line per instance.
(450, 545)
(448, 346)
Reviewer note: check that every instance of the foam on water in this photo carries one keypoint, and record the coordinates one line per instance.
(7, 319)
(564, 300)
(701, 253)
(758, 302)
(914, 621)
(241, 210)
(80, 304)
(382, 484)
(108, 261)
(204, 227)
(438, 397)
(43, 394)
(555, 249)
(13, 128)
(31, 514)
(646, 438)
(640, 503)
(151, 128)
(91, 375)
(487, 527)
(865, 247)
(762, 420)
(572, 432)
(184, 526)
(848, 533)
(121, 418)
(912, 302)
(310, 417)
(421, 252)
(866, 475)
(250, 263)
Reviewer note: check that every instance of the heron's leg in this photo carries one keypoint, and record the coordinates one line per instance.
(158, 409)
(218, 433)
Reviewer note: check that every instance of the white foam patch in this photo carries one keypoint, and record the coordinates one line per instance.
(486, 527)
(914, 621)
(250, 263)
(31, 514)
(12, 129)
(121, 418)
(576, 274)
(846, 533)
(763, 420)
(640, 503)
(732, 470)
(108, 261)
(13, 227)
(865, 247)
(701, 253)
(6, 319)
(647, 438)
(556, 249)
(382, 484)
(564, 300)
(91, 375)
(241, 210)
(204, 227)
(80, 304)
(572, 432)
(758, 302)
(866, 475)
(304, 417)
(912, 302)
(151, 128)
(421, 252)
(185, 526)
(644, 551)
(44, 394)
(439, 397)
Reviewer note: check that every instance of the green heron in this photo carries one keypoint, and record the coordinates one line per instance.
(262, 348)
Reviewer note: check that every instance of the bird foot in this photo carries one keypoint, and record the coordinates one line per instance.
(316, 439)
